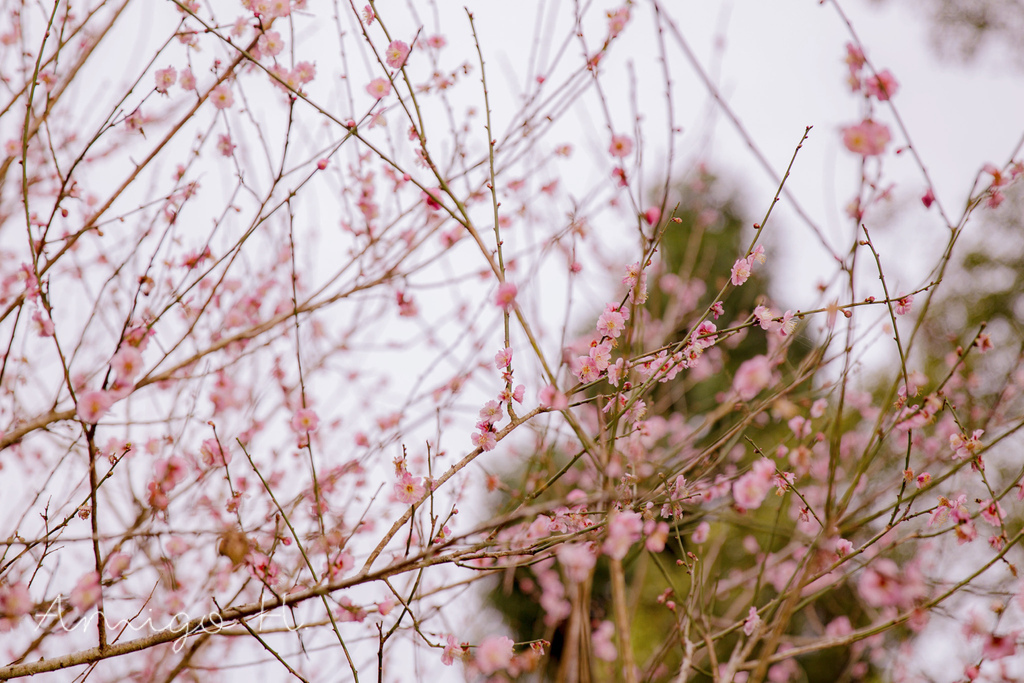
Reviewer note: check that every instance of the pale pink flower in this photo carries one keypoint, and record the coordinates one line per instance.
(611, 323)
(485, 440)
(224, 145)
(165, 78)
(86, 592)
(186, 80)
(93, 405)
(751, 377)
(657, 535)
(621, 146)
(396, 54)
(213, 454)
(503, 358)
(368, 15)
(883, 86)
(749, 490)
(305, 420)
(843, 547)
(15, 601)
(408, 490)
(451, 651)
(379, 88)
(603, 647)
(617, 21)
(127, 362)
(624, 529)
(587, 370)
(701, 533)
(551, 397)
(436, 42)
(304, 72)
(117, 563)
(866, 138)
(222, 97)
(494, 654)
(491, 412)
(740, 272)
(577, 559)
(505, 297)
(903, 304)
(270, 43)
(751, 622)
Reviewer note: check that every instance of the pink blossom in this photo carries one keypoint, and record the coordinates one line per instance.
(368, 15)
(494, 654)
(186, 80)
(657, 535)
(617, 21)
(165, 78)
(928, 198)
(93, 405)
(408, 490)
(611, 323)
(624, 529)
(752, 621)
(304, 72)
(451, 651)
(751, 377)
(379, 88)
(879, 585)
(622, 146)
(903, 304)
(213, 454)
(505, 297)
(586, 369)
(998, 647)
(117, 563)
(740, 272)
(551, 397)
(270, 44)
(701, 533)
(485, 440)
(883, 86)
(866, 138)
(577, 559)
(222, 97)
(396, 54)
(491, 412)
(224, 145)
(503, 358)
(127, 362)
(843, 547)
(15, 601)
(749, 490)
(86, 592)
(603, 647)
(305, 420)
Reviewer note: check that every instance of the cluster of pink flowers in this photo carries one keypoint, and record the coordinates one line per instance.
(624, 529)
(957, 509)
(485, 437)
(167, 473)
(407, 489)
(742, 268)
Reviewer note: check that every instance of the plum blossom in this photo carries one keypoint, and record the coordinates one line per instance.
(408, 490)
(396, 54)
(701, 533)
(624, 529)
(86, 592)
(379, 88)
(452, 651)
(903, 304)
(503, 358)
(222, 97)
(882, 86)
(603, 647)
(577, 559)
(551, 397)
(752, 621)
(494, 654)
(505, 297)
(165, 78)
(621, 146)
(612, 322)
(750, 489)
(751, 377)
(866, 138)
(305, 420)
(93, 405)
(740, 272)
